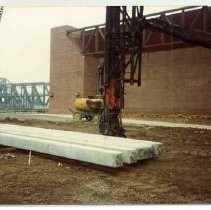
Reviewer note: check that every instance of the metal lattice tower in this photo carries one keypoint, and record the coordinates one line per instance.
(23, 96)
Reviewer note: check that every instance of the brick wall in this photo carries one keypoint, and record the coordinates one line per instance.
(174, 81)
(90, 75)
(66, 71)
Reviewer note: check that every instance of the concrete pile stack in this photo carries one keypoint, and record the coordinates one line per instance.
(97, 149)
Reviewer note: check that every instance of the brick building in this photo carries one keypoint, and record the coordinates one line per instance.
(176, 76)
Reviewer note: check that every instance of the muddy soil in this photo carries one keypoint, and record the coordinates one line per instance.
(177, 118)
(181, 174)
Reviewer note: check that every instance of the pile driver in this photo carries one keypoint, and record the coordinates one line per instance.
(123, 57)
(123, 51)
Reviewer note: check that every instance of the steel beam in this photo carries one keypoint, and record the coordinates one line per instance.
(182, 15)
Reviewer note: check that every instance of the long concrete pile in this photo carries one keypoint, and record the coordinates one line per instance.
(98, 149)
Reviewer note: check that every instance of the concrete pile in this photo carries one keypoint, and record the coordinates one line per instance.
(97, 149)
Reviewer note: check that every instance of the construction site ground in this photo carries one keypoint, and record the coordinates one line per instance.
(181, 174)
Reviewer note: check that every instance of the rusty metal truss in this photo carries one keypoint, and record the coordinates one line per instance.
(23, 96)
(193, 21)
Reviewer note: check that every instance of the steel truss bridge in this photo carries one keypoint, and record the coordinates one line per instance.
(23, 97)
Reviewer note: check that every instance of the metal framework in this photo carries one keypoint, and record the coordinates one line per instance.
(193, 19)
(125, 36)
(23, 96)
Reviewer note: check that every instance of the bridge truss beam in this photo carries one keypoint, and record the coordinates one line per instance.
(23, 96)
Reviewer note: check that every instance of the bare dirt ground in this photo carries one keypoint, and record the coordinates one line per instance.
(176, 118)
(181, 174)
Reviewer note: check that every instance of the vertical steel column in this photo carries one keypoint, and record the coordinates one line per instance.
(110, 123)
(123, 36)
(140, 47)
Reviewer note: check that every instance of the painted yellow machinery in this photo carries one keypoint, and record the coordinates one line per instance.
(86, 104)
(88, 107)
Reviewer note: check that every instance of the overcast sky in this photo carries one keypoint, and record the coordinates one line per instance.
(25, 37)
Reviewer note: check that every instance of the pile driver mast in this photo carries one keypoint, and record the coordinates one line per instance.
(123, 37)
(123, 56)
